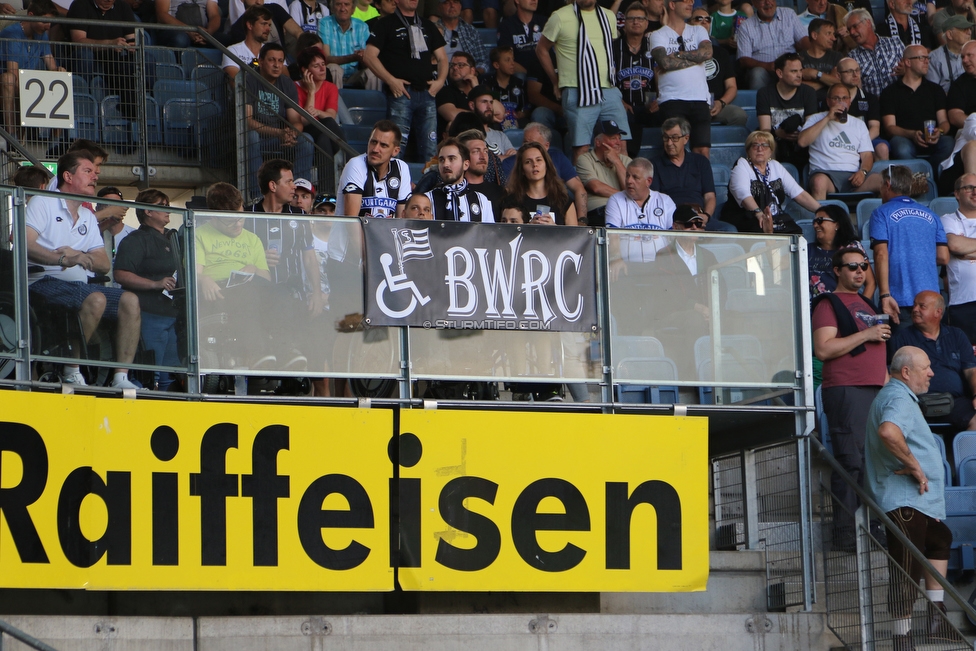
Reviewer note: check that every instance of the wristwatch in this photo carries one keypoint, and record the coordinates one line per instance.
(865, 173)
(819, 74)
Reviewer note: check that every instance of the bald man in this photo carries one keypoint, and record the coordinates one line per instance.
(953, 362)
(904, 474)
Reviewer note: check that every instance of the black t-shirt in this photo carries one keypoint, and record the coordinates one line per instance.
(718, 69)
(120, 11)
(635, 71)
(521, 37)
(536, 73)
(769, 102)
(278, 17)
(449, 94)
(912, 108)
(962, 94)
(532, 206)
(905, 35)
(511, 96)
(148, 253)
(391, 37)
(292, 237)
(865, 106)
(494, 193)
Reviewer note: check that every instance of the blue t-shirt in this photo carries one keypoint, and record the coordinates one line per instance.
(951, 354)
(686, 184)
(912, 233)
(27, 53)
(897, 404)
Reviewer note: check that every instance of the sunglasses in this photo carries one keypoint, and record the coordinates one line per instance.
(695, 223)
(853, 266)
(820, 220)
(701, 19)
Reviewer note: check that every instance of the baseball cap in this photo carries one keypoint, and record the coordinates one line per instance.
(956, 22)
(686, 212)
(479, 91)
(607, 127)
(304, 184)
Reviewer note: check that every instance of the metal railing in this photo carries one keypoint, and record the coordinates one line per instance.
(22, 637)
(867, 591)
(164, 110)
(644, 350)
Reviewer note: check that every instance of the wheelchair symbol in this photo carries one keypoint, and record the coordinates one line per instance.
(397, 283)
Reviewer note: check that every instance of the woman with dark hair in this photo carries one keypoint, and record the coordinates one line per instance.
(147, 263)
(536, 185)
(835, 231)
(318, 96)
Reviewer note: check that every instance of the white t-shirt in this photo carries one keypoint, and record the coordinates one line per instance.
(839, 146)
(689, 84)
(242, 51)
(50, 218)
(380, 200)
(236, 8)
(654, 215)
(306, 18)
(962, 273)
(743, 174)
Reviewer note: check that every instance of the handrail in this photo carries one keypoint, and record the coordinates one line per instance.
(19, 146)
(892, 529)
(23, 637)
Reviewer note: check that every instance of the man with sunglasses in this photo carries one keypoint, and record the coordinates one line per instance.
(849, 338)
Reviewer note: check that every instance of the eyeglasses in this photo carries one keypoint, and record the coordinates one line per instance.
(636, 19)
(760, 145)
(967, 188)
(701, 19)
(463, 64)
(920, 56)
(852, 71)
(820, 220)
(668, 138)
(854, 266)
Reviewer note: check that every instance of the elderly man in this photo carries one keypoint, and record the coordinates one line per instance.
(956, 9)
(782, 108)
(841, 154)
(454, 199)
(902, 24)
(762, 39)
(63, 237)
(953, 362)
(913, 112)
(680, 52)
(585, 81)
(945, 62)
(459, 36)
(684, 176)
(909, 244)
(346, 39)
(863, 105)
(904, 475)
(603, 171)
(878, 57)
(850, 340)
(960, 229)
(641, 208)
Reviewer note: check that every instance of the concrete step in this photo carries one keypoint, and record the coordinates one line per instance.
(555, 632)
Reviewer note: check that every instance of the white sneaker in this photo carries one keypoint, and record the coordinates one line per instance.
(124, 384)
(75, 377)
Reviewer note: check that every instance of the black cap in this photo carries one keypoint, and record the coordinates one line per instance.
(479, 91)
(686, 212)
(607, 127)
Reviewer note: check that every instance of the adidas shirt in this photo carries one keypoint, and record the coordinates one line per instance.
(839, 146)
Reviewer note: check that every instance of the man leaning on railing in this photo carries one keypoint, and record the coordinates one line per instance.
(904, 474)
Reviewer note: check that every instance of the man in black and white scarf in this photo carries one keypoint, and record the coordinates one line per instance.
(454, 199)
(582, 34)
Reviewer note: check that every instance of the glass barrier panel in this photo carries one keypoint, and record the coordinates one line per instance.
(511, 355)
(257, 305)
(692, 309)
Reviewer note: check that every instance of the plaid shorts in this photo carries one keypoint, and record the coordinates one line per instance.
(71, 295)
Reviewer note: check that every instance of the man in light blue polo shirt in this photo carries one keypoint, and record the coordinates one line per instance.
(905, 475)
(908, 242)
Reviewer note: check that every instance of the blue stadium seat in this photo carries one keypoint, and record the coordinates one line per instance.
(864, 210)
(943, 205)
(97, 88)
(489, 36)
(160, 55)
(806, 225)
(729, 135)
(357, 136)
(186, 120)
(967, 471)
(963, 445)
(752, 119)
(945, 462)
(745, 98)
(167, 89)
(639, 356)
(726, 154)
(86, 118)
(720, 177)
(367, 107)
(169, 71)
(117, 129)
(215, 81)
(198, 57)
(915, 165)
(517, 136)
(651, 137)
(741, 360)
(791, 168)
(79, 84)
(961, 519)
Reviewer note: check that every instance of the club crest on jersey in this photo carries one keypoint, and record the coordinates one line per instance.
(394, 183)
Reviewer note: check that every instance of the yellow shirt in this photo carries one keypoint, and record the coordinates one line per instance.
(365, 14)
(562, 28)
(220, 254)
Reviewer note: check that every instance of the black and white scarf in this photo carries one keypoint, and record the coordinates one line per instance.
(456, 202)
(418, 43)
(587, 69)
(912, 25)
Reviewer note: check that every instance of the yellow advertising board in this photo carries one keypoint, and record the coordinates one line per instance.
(552, 502)
(118, 494)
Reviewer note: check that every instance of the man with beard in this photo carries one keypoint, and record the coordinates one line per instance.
(454, 199)
(257, 29)
(474, 140)
(480, 101)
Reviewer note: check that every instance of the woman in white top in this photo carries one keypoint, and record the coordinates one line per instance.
(759, 189)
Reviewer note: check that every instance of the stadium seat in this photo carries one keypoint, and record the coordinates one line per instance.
(791, 168)
(86, 117)
(720, 177)
(945, 462)
(120, 130)
(160, 55)
(166, 89)
(944, 205)
(727, 154)
(79, 84)
(745, 98)
(722, 135)
(724, 250)
(214, 80)
(752, 119)
(806, 225)
(489, 36)
(357, 136)
(741, 361)
(517, 136)
(963, 445)
(864, 210)
(97, 88)
(169, 71)
(367, 107)
(960, 504)
(640, 356)
(967, 471)
(194, 57)
(186, 120)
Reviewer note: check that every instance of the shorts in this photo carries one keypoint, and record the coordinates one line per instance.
(841, 180)
(931, 537)
(582, 120)
(70, 295)
(697, 114)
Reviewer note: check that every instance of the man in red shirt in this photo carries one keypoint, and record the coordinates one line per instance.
(849, 338)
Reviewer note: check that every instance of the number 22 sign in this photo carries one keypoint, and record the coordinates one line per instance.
(46, 99)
